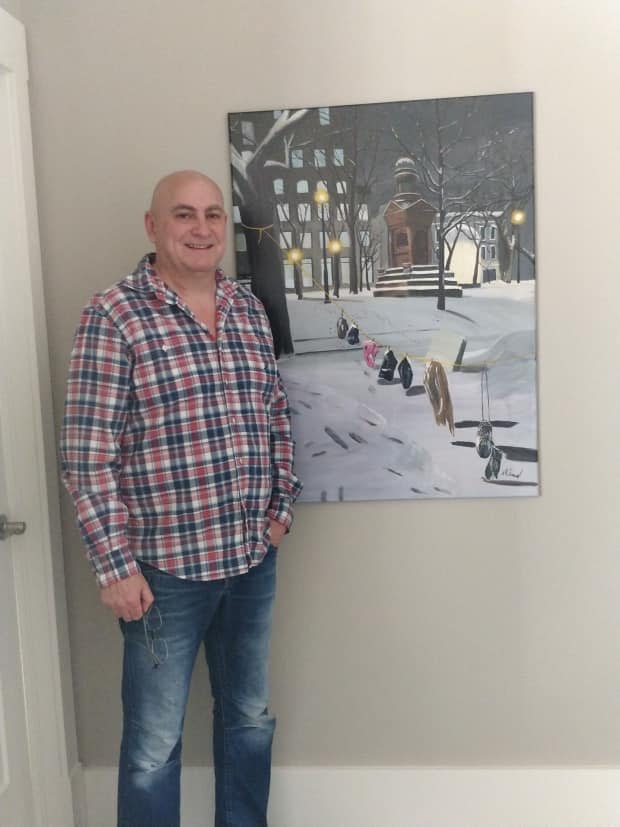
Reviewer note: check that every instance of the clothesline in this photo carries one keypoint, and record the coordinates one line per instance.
(382, 345)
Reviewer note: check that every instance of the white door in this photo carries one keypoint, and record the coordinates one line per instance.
(16, 801)
(34, 778)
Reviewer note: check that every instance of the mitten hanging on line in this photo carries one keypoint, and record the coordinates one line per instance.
(405, 371)
(388, 366)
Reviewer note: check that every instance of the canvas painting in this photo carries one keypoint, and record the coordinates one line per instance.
(392, 245)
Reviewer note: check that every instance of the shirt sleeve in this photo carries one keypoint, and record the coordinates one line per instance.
(96, 407)
(286, 486)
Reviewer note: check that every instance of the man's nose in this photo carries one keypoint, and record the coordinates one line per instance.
(200, 225)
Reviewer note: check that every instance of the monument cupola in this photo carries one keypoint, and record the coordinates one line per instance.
(407, 182)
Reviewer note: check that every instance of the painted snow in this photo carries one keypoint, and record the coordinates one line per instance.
(357, 439)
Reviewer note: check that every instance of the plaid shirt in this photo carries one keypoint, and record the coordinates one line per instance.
(176, 448)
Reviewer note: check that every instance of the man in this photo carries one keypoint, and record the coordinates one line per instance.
(177, 452)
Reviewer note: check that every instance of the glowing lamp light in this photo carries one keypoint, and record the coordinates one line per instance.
(321, 196)
(517, 218)
(334, 246)
(294, 256)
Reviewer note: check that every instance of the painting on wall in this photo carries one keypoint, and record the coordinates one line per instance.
(392, 245)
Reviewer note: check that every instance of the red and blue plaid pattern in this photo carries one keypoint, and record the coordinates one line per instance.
(176, 448)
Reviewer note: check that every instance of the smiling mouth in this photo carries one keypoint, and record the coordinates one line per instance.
(199, 246)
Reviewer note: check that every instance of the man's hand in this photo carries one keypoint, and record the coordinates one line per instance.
(129, 599)
(276, 533)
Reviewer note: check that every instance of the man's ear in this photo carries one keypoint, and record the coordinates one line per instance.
(149, 225)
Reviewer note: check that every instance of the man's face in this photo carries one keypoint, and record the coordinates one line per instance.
(187, 225)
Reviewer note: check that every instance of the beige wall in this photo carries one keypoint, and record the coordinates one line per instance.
(13, 7)
(461, 632)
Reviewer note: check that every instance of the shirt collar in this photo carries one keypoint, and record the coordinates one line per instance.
(144, 280)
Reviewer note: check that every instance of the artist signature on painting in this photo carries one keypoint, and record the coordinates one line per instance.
(508, 472)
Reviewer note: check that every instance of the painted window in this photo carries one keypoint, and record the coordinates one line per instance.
(306, 273)
(303, 212)
(247, 133)
(289, 276)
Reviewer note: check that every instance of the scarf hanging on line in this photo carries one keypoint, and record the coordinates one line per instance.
(436, 384)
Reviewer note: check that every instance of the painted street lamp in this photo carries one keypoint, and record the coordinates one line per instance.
(295, 256)
(334, 246)
(321, 198)
(517, 218)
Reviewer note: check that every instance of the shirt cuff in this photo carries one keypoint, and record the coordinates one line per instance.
(282, 512)
(118, 569)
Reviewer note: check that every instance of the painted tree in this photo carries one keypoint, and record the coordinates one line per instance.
(369, 244)
(294, 227)
(253, 161)
(451, 158)
(507, 187)
(476, 232)
(511, 188)
(348, 168)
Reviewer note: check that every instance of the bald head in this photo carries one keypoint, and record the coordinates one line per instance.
(166, 187)
(187, 224)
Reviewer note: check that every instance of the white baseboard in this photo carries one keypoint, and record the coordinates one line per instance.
(401, 797)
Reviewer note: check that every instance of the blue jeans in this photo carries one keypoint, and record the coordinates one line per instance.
(232, 617)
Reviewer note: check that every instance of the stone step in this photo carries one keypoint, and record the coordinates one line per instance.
(408, 282)
(427, 290)
(415, 268)
(415, 276)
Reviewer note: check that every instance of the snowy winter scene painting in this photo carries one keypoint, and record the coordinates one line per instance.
(392, 245)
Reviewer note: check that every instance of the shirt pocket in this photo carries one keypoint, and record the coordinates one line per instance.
(169, 374)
